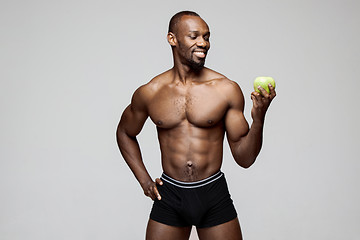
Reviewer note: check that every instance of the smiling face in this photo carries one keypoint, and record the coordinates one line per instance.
(191, 41)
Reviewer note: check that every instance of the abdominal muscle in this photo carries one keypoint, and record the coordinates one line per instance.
(190, 153)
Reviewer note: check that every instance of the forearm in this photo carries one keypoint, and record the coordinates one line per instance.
(130, 150)
(248, 147)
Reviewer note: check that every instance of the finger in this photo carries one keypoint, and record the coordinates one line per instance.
(272, 91)
(257, 99)
(253, 98)
(157, 194)
(256, 95)
(263, 91)
(149, 194)
(158, 181)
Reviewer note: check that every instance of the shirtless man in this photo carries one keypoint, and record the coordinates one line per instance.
(192, 107)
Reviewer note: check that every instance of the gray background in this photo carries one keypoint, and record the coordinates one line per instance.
(69, 68)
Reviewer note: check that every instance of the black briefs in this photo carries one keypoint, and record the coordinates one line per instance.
(203, 203)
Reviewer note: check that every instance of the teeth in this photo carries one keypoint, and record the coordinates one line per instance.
(199, 54)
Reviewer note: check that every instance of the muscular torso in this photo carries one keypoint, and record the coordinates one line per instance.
(190, 123)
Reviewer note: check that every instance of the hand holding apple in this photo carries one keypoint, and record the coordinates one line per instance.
(262, 97)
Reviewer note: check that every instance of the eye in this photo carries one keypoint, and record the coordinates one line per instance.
(193, 37)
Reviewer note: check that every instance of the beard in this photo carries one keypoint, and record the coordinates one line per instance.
(190, 59)
(197, 65)
(195, 62)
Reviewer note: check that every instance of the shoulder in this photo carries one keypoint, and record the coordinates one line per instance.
(221, 79)
(233, 93)
(230, 90)
(147, 91)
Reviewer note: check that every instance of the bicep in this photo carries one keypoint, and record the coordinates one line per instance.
(132, 121)
(134, 116)
(235, 122)
(236, 125)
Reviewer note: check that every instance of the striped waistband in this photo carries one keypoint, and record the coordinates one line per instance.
(196, 184)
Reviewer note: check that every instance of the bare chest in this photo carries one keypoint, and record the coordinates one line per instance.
(202, 106)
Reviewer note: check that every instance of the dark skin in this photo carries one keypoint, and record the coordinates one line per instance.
(193, 108)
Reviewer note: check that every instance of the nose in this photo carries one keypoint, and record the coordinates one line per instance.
(201, 42)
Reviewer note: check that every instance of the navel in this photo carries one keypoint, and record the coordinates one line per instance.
(189, 163)
(159, 122)
(210, 121)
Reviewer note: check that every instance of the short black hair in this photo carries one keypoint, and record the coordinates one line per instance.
(176, 18)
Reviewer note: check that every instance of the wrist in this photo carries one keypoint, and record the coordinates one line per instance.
(258, 123)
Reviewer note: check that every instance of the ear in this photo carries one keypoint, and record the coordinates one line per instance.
(171, 39)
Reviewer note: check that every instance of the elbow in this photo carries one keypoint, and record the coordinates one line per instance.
(246, 166)
(246, 163)
(123, 137)
(120, 135)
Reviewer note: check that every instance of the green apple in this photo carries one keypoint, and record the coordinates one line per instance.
(264, 83)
